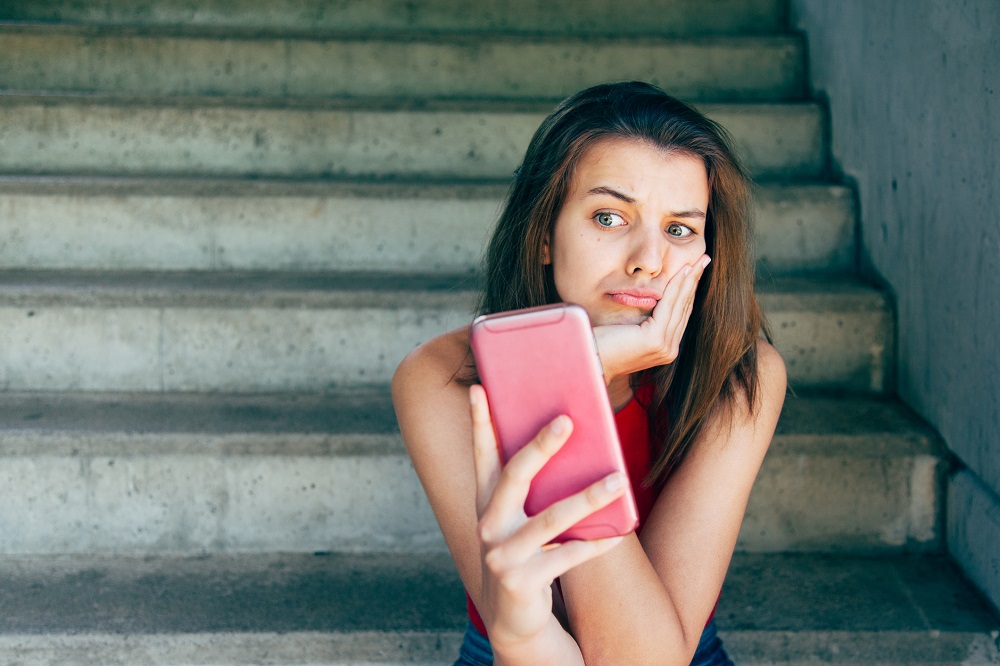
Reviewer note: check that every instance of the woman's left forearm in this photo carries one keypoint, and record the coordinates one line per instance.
(621, 613)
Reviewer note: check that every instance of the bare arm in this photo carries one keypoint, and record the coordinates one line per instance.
(640, 602)
(648, 600)
(498, 550)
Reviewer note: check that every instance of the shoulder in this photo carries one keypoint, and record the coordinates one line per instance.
(434, 364)
(737, 417)
(770, 372)
(427, 398)
(762, 413)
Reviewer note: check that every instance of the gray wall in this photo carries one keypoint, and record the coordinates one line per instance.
(914, 92)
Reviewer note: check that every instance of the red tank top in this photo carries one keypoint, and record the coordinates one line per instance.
(633, 432)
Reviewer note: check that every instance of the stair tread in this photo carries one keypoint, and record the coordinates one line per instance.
(372, 104)
(336, 289)
(389, 187)
(298, 137)
(553, 17)
(410, 65)
(789, 598)
(408, 35)
(362, 421)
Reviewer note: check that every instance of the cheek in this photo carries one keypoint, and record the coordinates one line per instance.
(575, 270)
(685, 256)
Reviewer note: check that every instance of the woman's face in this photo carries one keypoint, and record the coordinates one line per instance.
(634, 216)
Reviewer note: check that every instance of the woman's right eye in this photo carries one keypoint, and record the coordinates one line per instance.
(609, 219)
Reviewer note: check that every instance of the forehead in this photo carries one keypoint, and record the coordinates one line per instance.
(640, 168)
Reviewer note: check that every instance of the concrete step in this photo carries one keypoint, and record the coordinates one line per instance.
(305, 609)
(419, 66)
(279, 137)
(216, 224)
(591, 17)
(248, 332)
(192, 473)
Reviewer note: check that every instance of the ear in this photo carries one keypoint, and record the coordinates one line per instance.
(546, 255)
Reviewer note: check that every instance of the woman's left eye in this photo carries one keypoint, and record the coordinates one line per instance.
(679, 231)
(609, 220)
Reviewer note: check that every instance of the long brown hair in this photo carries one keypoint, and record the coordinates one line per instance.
(717, 363)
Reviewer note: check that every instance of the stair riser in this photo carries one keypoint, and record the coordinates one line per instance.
(600, 17)
(829, 348)
(761, 69)
(870, 503)
(192, 503)
(307, 349)
(809, 228)
(81, 138)
(198, 503)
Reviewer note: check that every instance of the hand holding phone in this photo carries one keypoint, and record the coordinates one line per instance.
(535, 365)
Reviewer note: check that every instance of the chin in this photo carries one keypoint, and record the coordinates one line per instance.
(624, 317)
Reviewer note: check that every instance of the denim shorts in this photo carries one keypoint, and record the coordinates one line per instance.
(476, 650)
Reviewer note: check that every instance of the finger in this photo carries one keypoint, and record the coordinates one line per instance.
(661, 314)
(511, 489)
(545, 526)
(664, 314)
(684, 302)
(551, 563)
(486, 455)
(681, 313)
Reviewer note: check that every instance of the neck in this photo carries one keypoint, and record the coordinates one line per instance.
(619, 392)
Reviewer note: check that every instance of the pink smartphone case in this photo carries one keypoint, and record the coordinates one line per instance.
(536, 364)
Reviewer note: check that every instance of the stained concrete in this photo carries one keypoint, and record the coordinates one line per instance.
(915, 122)
(260, 331)
(301, 609)
(592, 17)
(222, 224)
(73, 135)
(194, 472)
(91, 60)
(973, 519)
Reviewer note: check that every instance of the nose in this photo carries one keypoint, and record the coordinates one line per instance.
(647, 249)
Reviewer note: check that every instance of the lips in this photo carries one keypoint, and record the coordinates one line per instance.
(644, 299)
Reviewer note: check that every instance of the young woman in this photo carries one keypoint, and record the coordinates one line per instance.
(632, 205)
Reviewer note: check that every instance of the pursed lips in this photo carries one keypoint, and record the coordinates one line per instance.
(644, 299)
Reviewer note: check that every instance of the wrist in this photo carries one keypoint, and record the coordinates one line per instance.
(550, 646)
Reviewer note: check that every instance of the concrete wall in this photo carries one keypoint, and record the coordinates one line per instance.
(914, 92)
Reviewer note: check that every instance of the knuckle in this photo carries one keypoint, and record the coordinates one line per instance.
(510, 583)
(594, 496)
(493, 560)
(546, 443)
(549, 520)
(516, 472)
(486, 531)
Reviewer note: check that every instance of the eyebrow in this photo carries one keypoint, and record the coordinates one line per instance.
(613, 193)
(694, 213)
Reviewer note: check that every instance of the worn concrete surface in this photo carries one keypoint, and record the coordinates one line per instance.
(252, 332)
(73, 135)
(92, 60)
(920, 135)
(301, 609)
(212, 224)
(974, 520)
(192, 472)
(600, 17)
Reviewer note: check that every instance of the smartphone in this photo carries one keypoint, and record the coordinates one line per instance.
(535, 365)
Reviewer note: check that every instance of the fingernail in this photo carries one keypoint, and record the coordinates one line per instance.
(473, 398)
(615, 481)
(708, 260)
(560, 425)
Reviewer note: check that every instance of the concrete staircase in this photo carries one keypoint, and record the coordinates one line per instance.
(223, 223)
